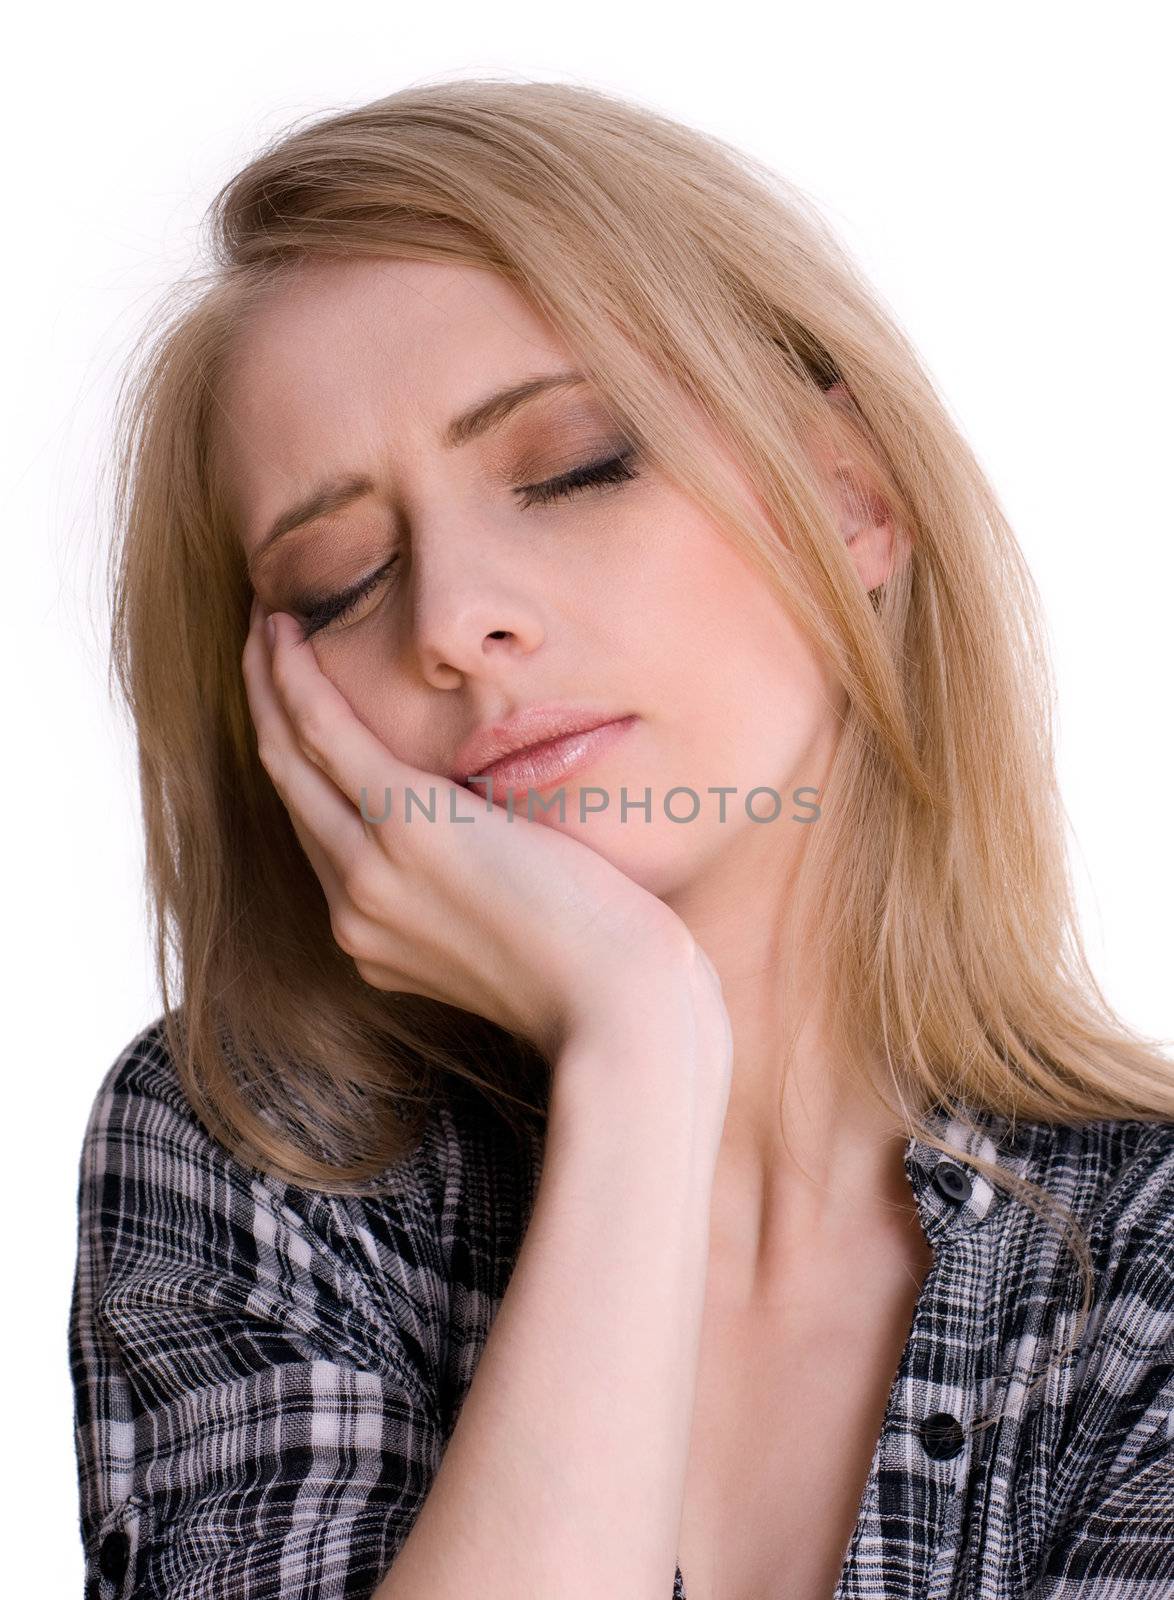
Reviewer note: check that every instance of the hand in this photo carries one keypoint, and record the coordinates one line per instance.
(505, 918)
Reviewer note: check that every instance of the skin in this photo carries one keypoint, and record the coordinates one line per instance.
(627, 596)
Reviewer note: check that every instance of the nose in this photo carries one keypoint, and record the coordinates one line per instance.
(470, 602)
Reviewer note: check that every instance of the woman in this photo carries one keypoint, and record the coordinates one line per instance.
(688, 1132)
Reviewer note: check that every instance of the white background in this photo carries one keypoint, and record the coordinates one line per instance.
(1000, 171)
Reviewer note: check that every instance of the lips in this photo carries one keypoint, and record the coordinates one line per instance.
(533, 725)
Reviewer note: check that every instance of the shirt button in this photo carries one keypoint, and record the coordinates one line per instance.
(113, 1555)
(952, 1181)
(942, 1436)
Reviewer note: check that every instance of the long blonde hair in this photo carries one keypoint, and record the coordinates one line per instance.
(667, 259)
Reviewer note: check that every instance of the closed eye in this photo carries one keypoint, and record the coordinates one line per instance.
(317, 614)
(612, 469)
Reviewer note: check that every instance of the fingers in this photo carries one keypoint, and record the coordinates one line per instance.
(327, 729)
(331, 831)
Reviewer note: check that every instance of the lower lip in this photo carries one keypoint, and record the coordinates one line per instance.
(540, 765)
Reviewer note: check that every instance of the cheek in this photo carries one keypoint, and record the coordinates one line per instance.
(370, 688)
(729, 670)
(743, 622)
(716, 622)
(669, 598)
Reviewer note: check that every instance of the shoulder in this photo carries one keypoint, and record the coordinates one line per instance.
(1109, 1437)
(183, 1248)
(1113, 1182)
(1117, 1178)
(142, 1075)
(221, 1317)
(143, 1135)
(455, 1202)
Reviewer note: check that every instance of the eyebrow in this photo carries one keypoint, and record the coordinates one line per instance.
(488, 413)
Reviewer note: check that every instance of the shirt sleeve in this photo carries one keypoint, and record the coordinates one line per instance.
(254, 1416)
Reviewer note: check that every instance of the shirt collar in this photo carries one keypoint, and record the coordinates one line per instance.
(953, 1198)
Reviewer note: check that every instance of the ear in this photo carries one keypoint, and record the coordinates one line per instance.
(865, 519)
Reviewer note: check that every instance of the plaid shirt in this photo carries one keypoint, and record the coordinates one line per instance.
(265, 1377)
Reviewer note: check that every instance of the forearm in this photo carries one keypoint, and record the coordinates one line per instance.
(565, 1472)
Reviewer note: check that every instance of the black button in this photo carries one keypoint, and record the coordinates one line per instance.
(952, 1181)
(942, 1436)
(113, 1555)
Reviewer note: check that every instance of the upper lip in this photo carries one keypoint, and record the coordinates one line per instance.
(530, 726)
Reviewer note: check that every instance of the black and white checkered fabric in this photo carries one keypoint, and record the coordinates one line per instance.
(265, 1377)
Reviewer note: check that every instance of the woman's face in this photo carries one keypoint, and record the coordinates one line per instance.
(623, 596)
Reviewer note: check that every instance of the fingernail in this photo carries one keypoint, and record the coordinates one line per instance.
(271, 631)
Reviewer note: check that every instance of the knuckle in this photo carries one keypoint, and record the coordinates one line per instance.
(347, 925)
(363, 889)
(381, 978)
(313, 733)
(267, 753)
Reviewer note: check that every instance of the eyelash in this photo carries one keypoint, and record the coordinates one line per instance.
(612, 469)
(615, 469)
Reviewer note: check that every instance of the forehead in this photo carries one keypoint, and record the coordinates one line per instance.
(360, 357)
(355, 315)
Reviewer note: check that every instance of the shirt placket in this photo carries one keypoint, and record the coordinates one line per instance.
(905, 1543)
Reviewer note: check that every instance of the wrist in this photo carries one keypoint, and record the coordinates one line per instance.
(653, 1043)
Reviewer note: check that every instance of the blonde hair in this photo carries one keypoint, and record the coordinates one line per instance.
(670, 262)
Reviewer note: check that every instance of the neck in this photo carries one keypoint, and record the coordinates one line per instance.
(810, 1169)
